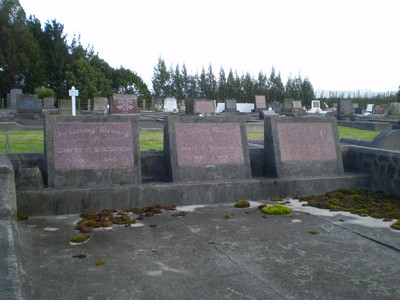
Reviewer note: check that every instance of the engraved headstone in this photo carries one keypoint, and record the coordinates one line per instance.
(379, 110)
(124, 104)
(394, 108)
(206, 148)
(65, 107)
(345, 107)
(199, 106)
(12, 100)
(92, 150)
(100, 104)
(230, 105)
(28, 104)
(288, 104)
(48, 103)
(170, 105)
(260, 102)
(298, 146)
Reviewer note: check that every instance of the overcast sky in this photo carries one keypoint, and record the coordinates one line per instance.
(337, 44)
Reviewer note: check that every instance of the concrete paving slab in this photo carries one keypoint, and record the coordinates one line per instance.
(206, 256)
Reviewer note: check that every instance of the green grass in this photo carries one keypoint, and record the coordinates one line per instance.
(32, 141)
(354, 133)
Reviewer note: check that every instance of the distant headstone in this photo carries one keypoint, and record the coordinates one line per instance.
(245, 107)
(288, 104)
(260, 102)
(380, 110)
(394, 108)
(230, 105)
(315, 106)
(345, 108)
(92, 150)
(124, 104)
(355, 105)
(28, 104)
(370, 108)
(100, 104)
(170, 105)
(48, 103)
(65, 107)
(12, 100)
(277, 106)
(199, 106)
(302, 146)
(358, 110)
(206, 148)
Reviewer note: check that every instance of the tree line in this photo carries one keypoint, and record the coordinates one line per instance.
(32, 56)
(176, 82)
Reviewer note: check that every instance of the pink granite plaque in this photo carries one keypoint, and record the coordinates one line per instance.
(92, 145)
(204, 106)
(208, 144)
(306, 141)
(124, 104)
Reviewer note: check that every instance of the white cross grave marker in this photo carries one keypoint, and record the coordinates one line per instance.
(73, 93)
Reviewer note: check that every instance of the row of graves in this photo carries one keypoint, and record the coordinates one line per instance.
(28, 105)
(94, 162)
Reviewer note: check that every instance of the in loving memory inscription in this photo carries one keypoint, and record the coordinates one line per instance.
(92, 145)
(208, 144)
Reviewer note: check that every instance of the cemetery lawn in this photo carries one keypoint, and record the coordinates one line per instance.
(32, 141)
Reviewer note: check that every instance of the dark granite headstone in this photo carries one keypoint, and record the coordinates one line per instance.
(358, 110)
(92, 150)
(230, 105)
(302, 146)
(28, 104)
(124, 104)
(345, 107)
(277, 106)
(199, 106)
(206, 148)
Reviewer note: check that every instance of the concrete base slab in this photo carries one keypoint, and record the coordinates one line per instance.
(53, 201)
(206, 256)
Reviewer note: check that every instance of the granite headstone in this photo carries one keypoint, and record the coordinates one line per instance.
(199, 106)
(65, 107)
(260, 102)
(27, 103)
(206, 148)
(12, 100)
(100, 104)
(302, 146)
(86, 151)
(230, 105)
(124, 104)
(48, 103)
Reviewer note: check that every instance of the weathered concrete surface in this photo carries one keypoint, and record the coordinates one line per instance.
(206, 256)
(12, 281)
(52, 201)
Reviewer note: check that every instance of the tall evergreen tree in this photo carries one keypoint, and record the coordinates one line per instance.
(222, 85)
(211, 84)
(248, 88)
(160, 79)
(18, 50)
